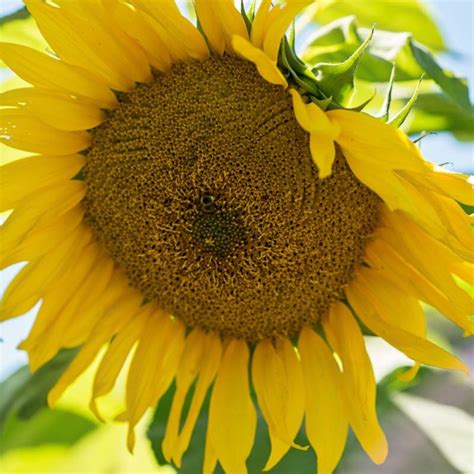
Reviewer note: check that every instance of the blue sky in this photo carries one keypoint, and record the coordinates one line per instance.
(455, 18)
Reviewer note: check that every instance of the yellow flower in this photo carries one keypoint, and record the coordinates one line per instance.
(202, 209)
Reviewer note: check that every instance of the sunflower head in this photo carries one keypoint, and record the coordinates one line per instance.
(200, 193)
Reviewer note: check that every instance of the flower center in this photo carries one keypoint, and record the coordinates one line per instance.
(202, 187)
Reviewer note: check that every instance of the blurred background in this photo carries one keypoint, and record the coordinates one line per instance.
(429, 423)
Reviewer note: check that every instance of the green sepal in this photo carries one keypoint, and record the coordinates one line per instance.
(293, 62)
(293, 65)
(247, 16)
(398, 120)
(292, 38)
(363, 105)
(323, 104)
(385, 109)
(337, 79)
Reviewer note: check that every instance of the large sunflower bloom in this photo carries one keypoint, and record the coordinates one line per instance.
(187, 198)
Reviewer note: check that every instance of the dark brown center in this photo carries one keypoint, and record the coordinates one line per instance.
(202, 187)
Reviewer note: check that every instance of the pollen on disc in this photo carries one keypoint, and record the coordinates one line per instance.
(201, 186)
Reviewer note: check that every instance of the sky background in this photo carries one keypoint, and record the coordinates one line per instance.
(455, 18)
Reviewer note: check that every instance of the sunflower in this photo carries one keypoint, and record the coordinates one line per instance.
(194, 202)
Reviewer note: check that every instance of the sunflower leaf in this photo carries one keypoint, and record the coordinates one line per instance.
(46, 427)
(341, 38)
(410, 16)
(455, 87)
(448, 427)
(437, 112)
(24, 393)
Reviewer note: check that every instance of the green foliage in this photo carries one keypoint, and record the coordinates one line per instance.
(447, 427)
(58, 427)
(437, 112)
(25, 419)
(341, 39)
(404, 15)
(24, 393)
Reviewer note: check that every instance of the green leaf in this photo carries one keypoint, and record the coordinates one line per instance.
(454, 86)
(386, 48)
(24, 393)
(407, 15)
(437, 112)
(58, 427)
(448, 427)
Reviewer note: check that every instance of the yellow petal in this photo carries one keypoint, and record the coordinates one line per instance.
(399, 302)
(232, 417)
(376, 143)
(280, 23)
(323, 152)
(47, 72)
(55, 302)
(119, 296)
(454, 185)
(311, 118)
(75, 320)
(211, 25)
(198, 360)
(42, 239)
(114, 359)
(153, 367)
(368, 306)
(278, 382)
(464, 270)
(460, 233)
(210, 458)
(19, 130)
(232, 22)
(420, 248)
(187, 372)
(40, 208)
(397, 193)
(207, 371)
(322, 133)
(326, 417)
(21, 177)
(258, 32)
(265, 66)
(84, 36)
(105, 329)
(29, 284)
(346, 339)
(386, 260)
(427, 215)
(58, 111)
(139, 27)
(183, 32)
